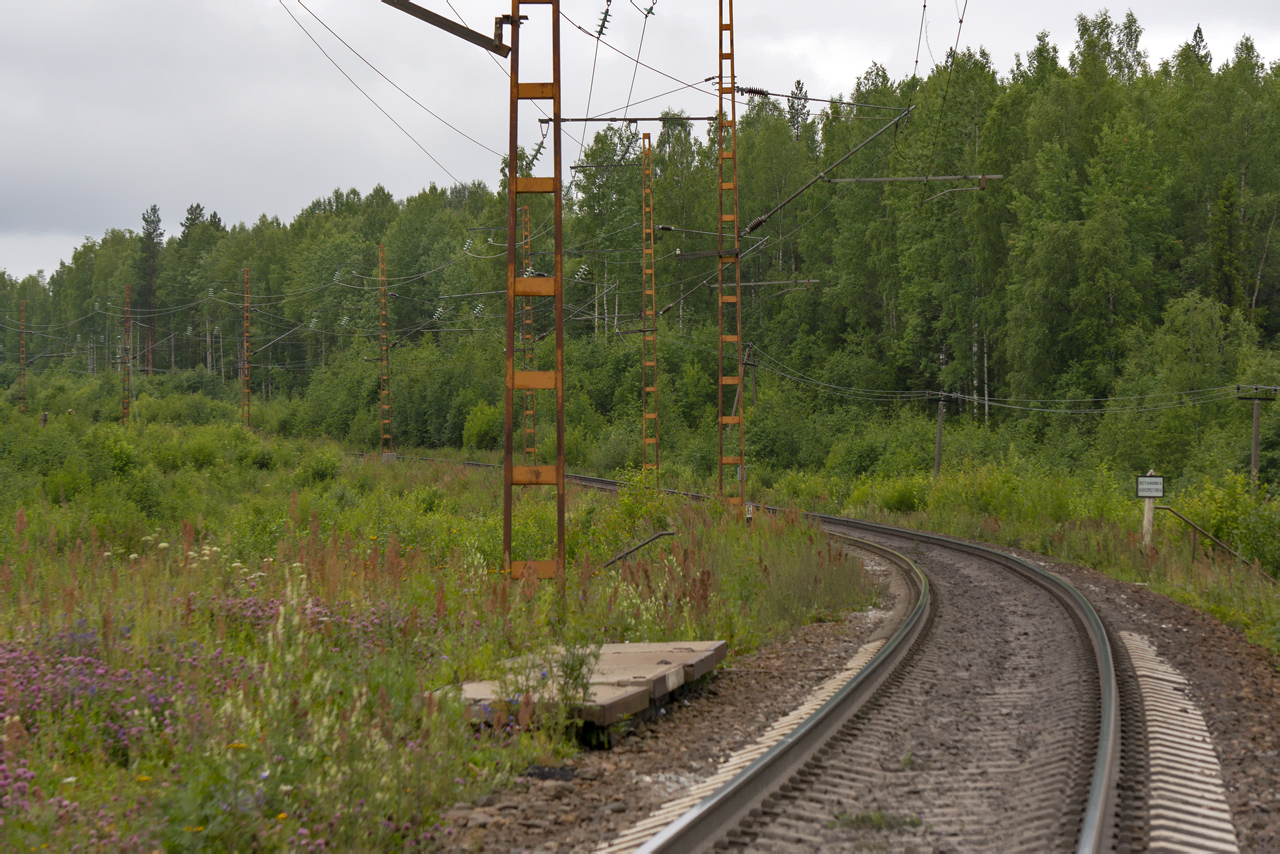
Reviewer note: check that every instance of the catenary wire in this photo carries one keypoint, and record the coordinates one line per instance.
(366, 94)
(425, 108)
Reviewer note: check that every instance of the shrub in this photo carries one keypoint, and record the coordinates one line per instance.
(320, 466)
(484, 429)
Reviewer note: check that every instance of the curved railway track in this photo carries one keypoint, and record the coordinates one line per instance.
(989, 721)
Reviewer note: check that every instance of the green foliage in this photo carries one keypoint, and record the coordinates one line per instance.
(324, 617)
(484, 427)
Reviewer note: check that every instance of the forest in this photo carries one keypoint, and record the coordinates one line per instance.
(1101, 300)
(219, 638)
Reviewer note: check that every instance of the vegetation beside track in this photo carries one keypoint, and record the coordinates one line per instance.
(210, 640)
(1087, 517)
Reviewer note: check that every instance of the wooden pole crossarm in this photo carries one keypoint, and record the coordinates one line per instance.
(1260, 392)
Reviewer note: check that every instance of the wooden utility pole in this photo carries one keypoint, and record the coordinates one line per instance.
(1257, 394)
(127, 361)
(384, 377)
(22, 356)
(246, 390)
(937, 443)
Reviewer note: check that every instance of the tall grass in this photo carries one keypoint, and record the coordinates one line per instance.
(281, 669)
(1088, 517)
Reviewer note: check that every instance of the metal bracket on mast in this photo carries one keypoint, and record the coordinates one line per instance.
(495, 44)
(526, 286)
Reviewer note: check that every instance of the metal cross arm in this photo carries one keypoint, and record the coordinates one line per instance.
(492, 44)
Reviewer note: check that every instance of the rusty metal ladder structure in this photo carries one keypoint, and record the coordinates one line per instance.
(384, 361)
(728, 270)
(648, 321)
(245, 387)
(22, 356)
(527, 288)
(530, 420)
(126, 365)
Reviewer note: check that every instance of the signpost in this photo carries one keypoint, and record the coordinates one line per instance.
(1149, 487)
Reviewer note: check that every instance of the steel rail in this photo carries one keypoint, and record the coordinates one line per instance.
(1096, 829)
(727, 806)
(700, 827)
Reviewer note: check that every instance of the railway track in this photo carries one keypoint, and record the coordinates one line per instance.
(988, 722)
(991, 721)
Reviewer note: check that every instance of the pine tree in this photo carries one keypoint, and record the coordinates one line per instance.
(798, 109)
(149, 245)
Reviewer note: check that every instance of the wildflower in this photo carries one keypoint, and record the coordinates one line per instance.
(143, 778)
(133, 556)
(282, 816)
(163, 546)
(237, 745)
(68, 780)
(196, 829)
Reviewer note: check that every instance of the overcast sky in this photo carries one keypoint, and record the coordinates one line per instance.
(109, 107)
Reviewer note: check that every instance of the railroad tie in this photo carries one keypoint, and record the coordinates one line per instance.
(638, 834)
(1187, 807)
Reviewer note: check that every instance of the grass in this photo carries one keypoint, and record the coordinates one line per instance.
(278, 670)
(1089, 518)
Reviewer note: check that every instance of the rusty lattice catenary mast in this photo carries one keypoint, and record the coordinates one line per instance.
(730, 438)
(528, 288)
(648, 321)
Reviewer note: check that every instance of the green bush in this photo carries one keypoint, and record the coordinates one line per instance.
(484, 429)
(321, 466)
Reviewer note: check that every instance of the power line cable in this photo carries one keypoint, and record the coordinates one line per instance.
(427, 109)
(366, 94)
(946, 90)
(636, 69)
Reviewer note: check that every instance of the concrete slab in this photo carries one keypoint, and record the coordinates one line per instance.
(627, 678)
(698, 657)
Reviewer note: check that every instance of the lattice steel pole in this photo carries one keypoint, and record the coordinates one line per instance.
(127, 362)
(729, 269)
(522, 287)
(246, 400)
(530, 397)
(384, 380)
(648, 319)
(22, 356)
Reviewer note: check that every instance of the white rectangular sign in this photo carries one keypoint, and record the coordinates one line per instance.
(1150, 486)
